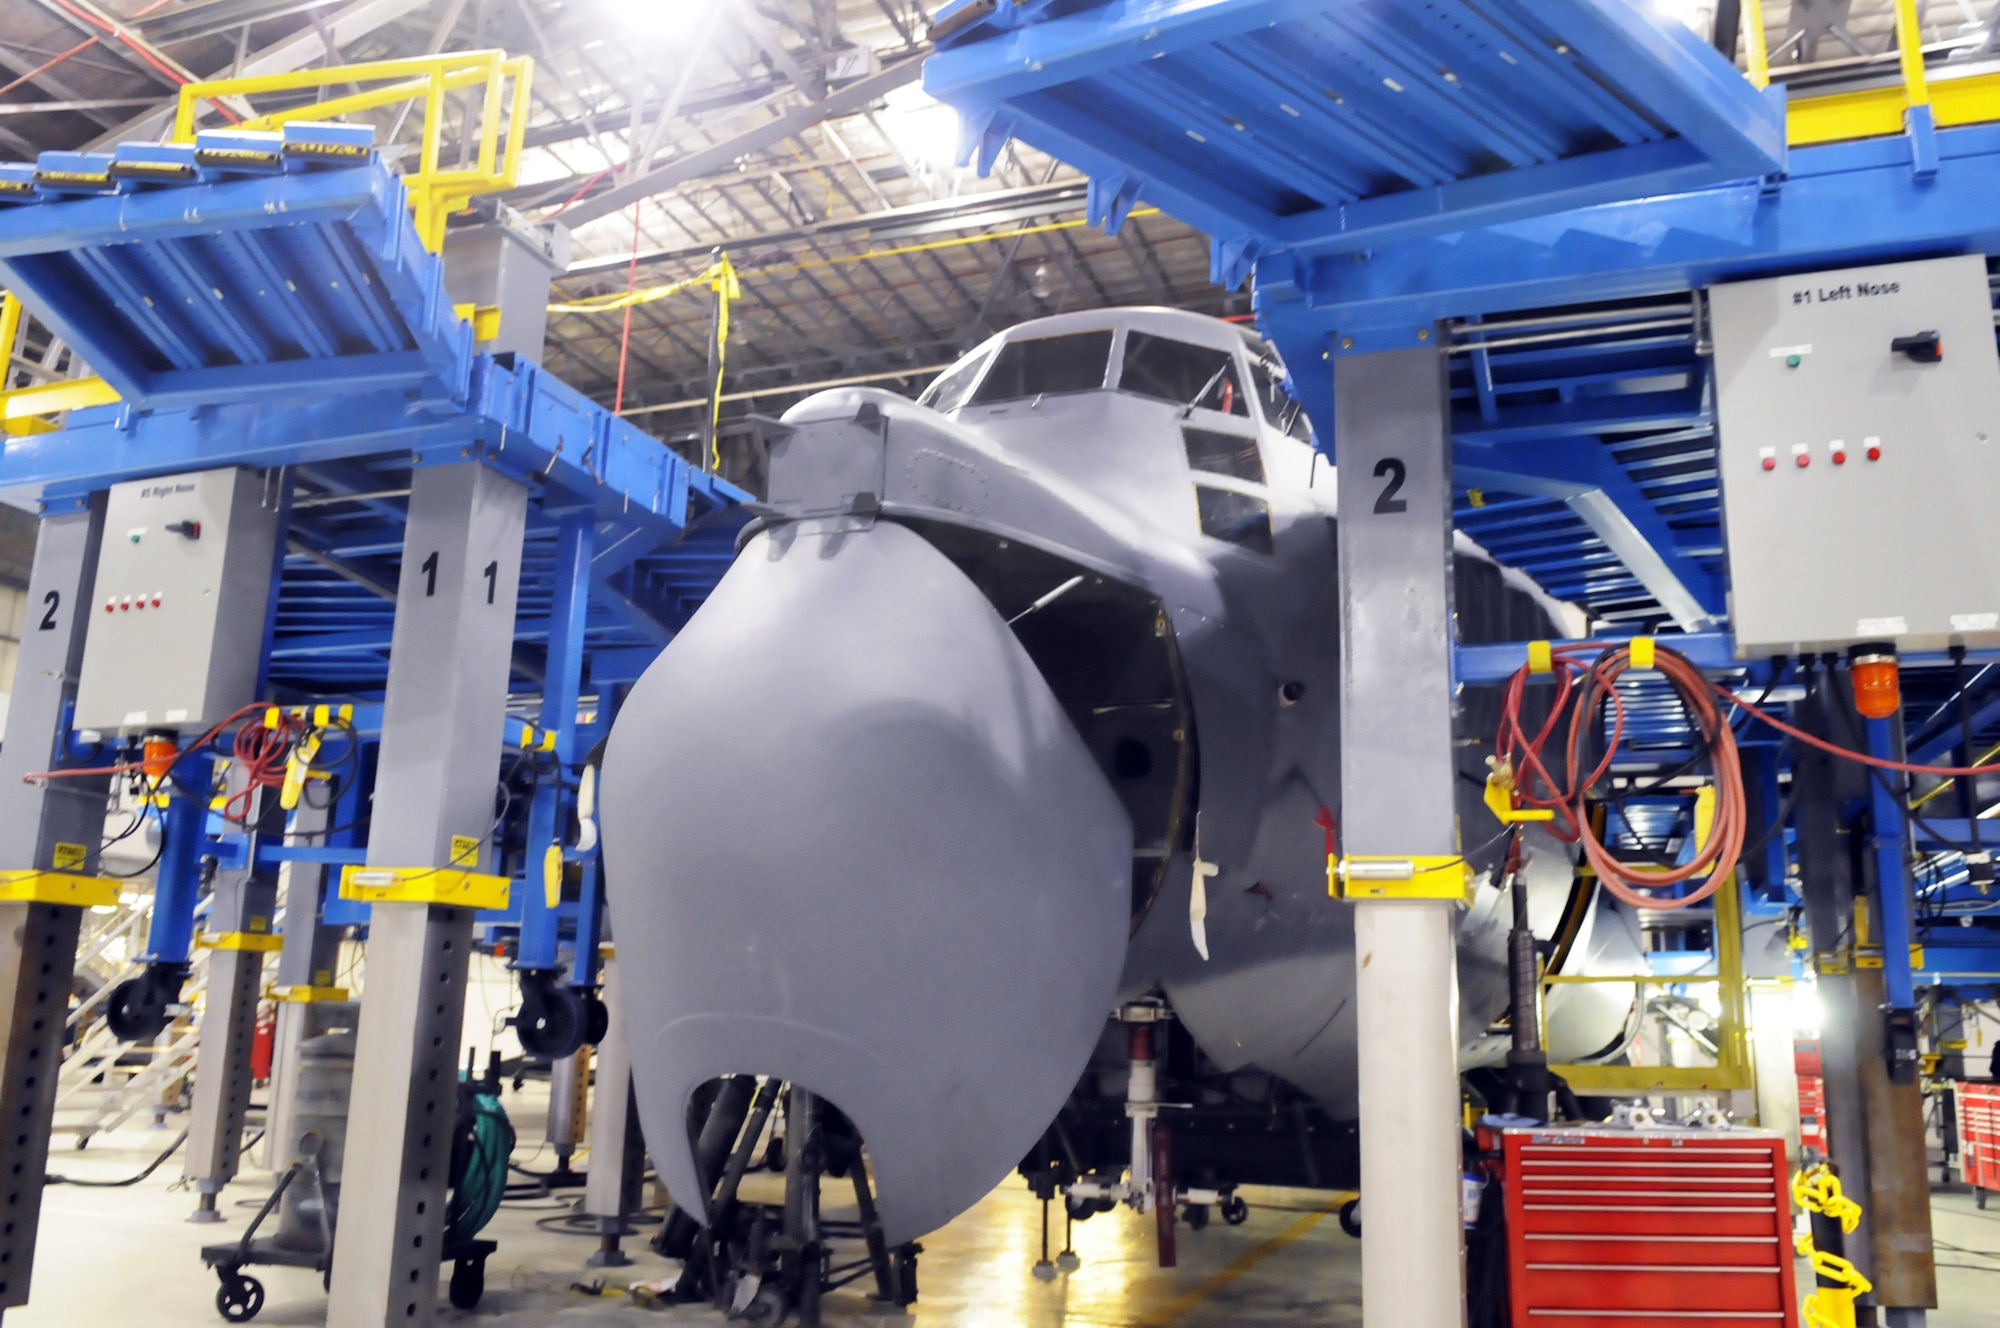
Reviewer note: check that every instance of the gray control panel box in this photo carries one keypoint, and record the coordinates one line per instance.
(183, 587)
(1859, 418)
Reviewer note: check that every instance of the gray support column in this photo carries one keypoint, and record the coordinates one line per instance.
(617, 1149)
(440, 757)
(305, 974)
(50, 826)
(1398, 800)
(239, 930)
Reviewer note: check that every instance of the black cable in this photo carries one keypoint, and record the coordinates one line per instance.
(129, 1181)
(151, 863)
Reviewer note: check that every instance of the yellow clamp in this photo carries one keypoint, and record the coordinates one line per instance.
(485, 319)
(1368, 876)
(1500, 790)
(423, 885)
(552, 874)
(298, 767)
(1541, 657)
(57, 887)
(263, 942)
(303, 995)
(1643, 652)
(537, 740)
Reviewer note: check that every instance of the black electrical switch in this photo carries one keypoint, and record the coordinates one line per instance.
(1924, 348)
(190, 529)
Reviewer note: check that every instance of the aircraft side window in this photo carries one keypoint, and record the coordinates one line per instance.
(1046, 366)
(1223, 454)
(1184, 374)
(947, 392)
(1279, 408)
(1236, 517)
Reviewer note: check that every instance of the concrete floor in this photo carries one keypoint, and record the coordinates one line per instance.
(104, 1254)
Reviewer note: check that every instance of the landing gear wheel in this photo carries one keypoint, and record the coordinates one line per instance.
(1196, 1217)
(550, 1024)
(1235, 1211)
(239, 1298)
(468, 1283)
(1350, 1218)
(596, 1018)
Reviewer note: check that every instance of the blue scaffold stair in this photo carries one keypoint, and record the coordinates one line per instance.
(1337, 125)
(264, 299)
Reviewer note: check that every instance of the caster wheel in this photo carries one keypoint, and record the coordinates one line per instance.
(551, 1022)
(1045, 1271)
(468, 1283)
(1079, 1210)
(1196, 1217)
(1350, 1218)
(1235, 1211)
(137, 1010)
(239, 1298)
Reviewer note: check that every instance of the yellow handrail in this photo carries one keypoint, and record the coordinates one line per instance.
(434, 193)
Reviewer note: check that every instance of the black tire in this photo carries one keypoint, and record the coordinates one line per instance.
(1350, 1218)
(1235, 1211)
(239, 1298)
(1079, 1210)
(1196, 1217)
(136, 1010)
(596, 1018)
(550, 1024)
(468, 1283)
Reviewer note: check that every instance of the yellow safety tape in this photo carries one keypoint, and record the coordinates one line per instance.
(1371, 876)
(424, 885)
(239, 940)
(57, 887)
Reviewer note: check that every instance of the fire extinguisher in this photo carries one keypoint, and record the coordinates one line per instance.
(263, 1042)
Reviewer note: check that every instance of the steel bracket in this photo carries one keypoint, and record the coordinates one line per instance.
(1367, 876)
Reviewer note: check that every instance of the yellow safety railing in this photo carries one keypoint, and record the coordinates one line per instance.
(436, 191)
(26, 410)
(1879, 111)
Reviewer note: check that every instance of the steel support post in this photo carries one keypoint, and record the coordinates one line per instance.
(242, 907)
(617, 1149)
(52, 826)
(304, 983)
(434, 803)
(1397, 789)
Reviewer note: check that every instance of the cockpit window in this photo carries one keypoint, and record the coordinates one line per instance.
(1236, 517)
(1184, 374)
(1280, 410)
(1223, 454)
(1045, 366)
(947, 392)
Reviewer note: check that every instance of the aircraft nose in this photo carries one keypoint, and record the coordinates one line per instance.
(852, 841)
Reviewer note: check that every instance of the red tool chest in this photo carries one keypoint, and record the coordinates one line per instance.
(1620, 1228)
(1979, 1136)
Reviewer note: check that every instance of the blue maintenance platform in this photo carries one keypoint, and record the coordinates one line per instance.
(1542, 191)
(265, 300)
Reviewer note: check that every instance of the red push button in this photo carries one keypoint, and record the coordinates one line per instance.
(1840, 458)
(1874, 454)
(1804, 460)
(1770, 463)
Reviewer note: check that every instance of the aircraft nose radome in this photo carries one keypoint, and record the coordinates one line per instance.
(851, 840)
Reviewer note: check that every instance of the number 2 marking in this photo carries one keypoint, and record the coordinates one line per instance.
(54, 600)
(1393, 470)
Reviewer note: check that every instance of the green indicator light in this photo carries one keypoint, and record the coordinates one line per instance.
(1791, 361)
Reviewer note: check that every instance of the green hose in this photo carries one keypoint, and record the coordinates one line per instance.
(484, 1143)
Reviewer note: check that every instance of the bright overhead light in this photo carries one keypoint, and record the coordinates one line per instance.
(663, 23)
(923, 129)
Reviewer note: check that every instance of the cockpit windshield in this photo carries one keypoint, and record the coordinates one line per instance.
(1183, 373)
(1045, 366)
(947, 393)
